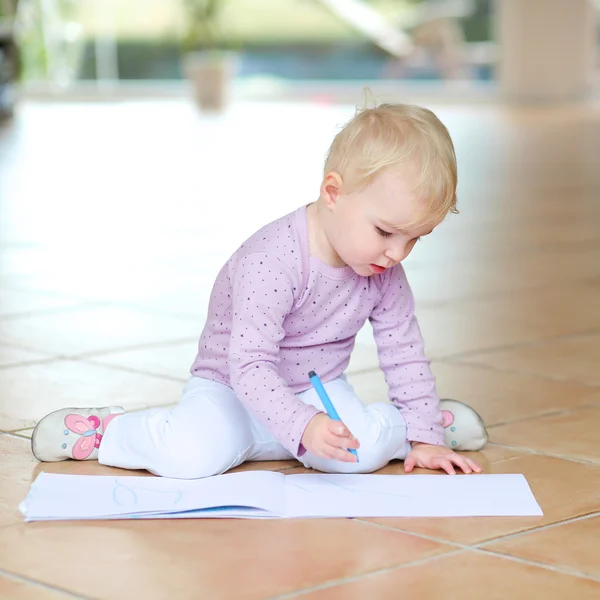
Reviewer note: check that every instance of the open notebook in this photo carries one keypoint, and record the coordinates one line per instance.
(255, 494)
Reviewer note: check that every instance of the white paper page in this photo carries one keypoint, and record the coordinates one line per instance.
(322, 495)
(57, 497)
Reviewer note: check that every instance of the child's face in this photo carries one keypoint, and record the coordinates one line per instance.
(365, 228)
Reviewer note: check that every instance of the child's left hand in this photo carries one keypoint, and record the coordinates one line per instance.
(428, 456)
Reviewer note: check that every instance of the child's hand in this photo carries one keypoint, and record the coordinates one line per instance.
(428, 456)
(325, 437)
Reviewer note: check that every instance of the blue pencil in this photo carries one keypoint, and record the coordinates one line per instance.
(332, 413)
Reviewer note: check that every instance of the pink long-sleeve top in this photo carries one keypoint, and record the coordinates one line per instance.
(276, 313)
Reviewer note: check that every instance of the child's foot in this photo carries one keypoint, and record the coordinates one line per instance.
(71, 433)
(464, 429)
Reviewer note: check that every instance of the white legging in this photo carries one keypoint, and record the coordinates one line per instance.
(210, 431)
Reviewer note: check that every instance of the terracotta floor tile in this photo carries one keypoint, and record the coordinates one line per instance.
(170, 360)
(574, 307)
(572, 545)
(460, 328)
(29, 392)
(14, 356)
(267, 465)
(12, 589)
(501, 397)
(169, 559)
(575, 358)
(86, 330)
(498, 396)
(478, 270)
(468, 576)
(562, 488)
(471, 326)
(574, 434)
(17, 467)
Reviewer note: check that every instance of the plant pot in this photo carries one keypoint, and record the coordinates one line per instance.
(9, 71)
(210, 75)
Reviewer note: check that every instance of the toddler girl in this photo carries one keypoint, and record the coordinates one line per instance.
(291, 300)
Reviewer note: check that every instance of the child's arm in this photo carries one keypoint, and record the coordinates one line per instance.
(263, 291)
(411, 385)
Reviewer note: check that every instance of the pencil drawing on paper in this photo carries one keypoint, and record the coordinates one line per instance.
(313, 487)
(127, 495)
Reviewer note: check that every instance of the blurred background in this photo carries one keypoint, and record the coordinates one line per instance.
(270, 47)
(141, 135)
(265, 45)
(152, 122)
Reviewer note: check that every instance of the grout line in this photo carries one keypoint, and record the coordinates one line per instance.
(538, 342)
(555, 378)
(90, 304)
(13, 346)
(131, 370)
(419, 535)
(580, 461)
(354, 578)
(497, 294)
(154, 310)
(517, 534)
(28, 363)
(16, 435)
(45, 312)
(83, 356)
(484, 543)
(149, 346)
(44, 586)
(533, 563)
(461, 549)
(87, 302)
(554, 413)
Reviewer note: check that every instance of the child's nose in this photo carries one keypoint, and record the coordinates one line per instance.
(396, 253)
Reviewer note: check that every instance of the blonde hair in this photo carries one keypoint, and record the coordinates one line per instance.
(378, 138)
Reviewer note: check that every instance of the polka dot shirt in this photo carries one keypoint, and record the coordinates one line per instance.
(276, 313)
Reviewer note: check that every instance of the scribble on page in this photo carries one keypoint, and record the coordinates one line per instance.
(355, 490)
(128, 495)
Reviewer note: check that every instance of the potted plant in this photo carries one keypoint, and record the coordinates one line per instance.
(9, 58)
(206, 62)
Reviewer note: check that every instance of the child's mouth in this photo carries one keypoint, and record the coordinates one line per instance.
(377, 269)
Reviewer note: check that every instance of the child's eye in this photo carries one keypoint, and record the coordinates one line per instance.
(383, 233)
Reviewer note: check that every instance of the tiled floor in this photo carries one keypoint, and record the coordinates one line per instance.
(114, 220)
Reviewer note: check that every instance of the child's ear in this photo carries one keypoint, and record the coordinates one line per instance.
(331, 188)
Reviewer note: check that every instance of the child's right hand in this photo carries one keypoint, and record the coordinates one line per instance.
(325, 437)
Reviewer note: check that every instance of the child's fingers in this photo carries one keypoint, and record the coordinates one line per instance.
(345, 438)
(475, 466)
(462, 462)
(409, 463)
(339, 454)
(338, 428)
(342, 441)
(445, 465)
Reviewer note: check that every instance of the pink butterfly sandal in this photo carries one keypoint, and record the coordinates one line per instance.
(464, 429)
(72, 433)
